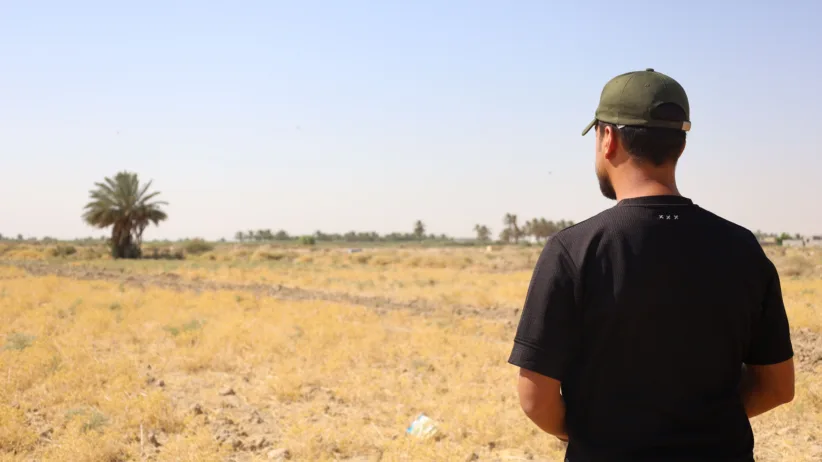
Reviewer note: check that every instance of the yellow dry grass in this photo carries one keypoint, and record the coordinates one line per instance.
(85, 364)
(80, 347)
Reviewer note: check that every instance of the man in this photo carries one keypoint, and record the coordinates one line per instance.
(654, 330)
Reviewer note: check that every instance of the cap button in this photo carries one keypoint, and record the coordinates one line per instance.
(649, 70)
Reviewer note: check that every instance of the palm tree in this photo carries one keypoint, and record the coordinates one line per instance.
(419, 230)
(547, 228)
(530, 228)
(513, 229)
(125, 205)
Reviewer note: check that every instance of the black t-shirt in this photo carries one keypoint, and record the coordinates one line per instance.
(646, 314)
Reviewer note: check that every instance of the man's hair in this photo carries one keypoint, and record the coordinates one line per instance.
(653, 144)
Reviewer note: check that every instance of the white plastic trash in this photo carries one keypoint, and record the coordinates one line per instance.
(423, 427)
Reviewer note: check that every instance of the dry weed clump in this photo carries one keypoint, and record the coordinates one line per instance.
(16, 436)
(803, 299)
(266, 253)
(797, 265)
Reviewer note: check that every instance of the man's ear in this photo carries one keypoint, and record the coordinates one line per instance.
(610, 142)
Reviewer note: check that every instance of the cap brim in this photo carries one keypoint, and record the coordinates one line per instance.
(590, 125)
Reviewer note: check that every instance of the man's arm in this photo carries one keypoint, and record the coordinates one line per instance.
(542, 402)
(768, 377)
(547, 339)
(767, 387)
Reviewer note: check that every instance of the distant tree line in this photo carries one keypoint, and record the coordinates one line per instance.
(49, 239)
(267, 235)
(539, 229)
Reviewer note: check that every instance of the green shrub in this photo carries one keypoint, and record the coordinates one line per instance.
(198, 246)
(18, 341)
(63, 251)
(93, 419)
(95, 422)
(307, 240)
(192, 325)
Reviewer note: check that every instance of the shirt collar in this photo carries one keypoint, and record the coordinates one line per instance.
(656, 200)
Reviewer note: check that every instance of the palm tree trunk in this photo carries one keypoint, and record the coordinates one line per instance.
(115, 241)
(121, 242)
(139, 234)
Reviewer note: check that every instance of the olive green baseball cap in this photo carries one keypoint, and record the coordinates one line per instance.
(633, 98)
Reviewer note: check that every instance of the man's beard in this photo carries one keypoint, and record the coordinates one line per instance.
(605, 185)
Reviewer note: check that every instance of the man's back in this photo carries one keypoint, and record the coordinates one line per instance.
(646, 313)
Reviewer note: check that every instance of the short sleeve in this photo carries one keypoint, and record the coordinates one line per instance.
(549, 327)
(771, 335)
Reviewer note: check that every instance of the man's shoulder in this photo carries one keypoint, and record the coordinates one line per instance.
(732, 230)
(585, 230)
(584, 227)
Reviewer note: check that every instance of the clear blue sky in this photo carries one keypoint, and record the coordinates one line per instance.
(369, 115)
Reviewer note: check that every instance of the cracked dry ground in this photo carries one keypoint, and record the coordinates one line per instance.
(104, 366)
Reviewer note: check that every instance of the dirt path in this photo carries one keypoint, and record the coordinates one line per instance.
(173, 281)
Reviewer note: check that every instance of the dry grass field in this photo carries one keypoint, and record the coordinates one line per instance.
(254, 353)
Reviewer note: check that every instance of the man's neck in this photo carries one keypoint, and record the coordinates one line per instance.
(641, 185)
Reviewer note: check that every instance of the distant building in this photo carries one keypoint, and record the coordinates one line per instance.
(814, 241)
